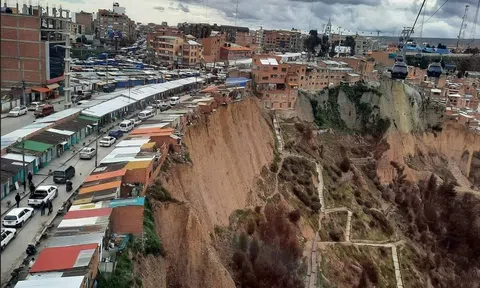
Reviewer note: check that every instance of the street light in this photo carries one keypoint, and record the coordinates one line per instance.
(22, 140)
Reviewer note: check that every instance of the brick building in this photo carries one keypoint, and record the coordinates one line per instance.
(23, 55)
(192, 53)
(167, 48)
(212, 45)
(108, 21)
(85, 19)
(282, 40)
(231, 52)
(271, 82)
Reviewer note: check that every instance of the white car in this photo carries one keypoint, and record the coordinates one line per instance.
(18, 111)
(42, 194)
(17, 217)
(136, 121)
(88, 153)
(7, 235)
(174, 100)
(150, 108)
(34, 105)
(107, 141)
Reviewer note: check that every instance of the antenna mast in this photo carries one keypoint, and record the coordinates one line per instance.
(236, 13)
(474, 27)
(461, 33)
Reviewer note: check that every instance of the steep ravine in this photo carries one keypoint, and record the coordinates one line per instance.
(228, 150)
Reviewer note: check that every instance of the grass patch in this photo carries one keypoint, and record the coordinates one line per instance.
(333, 226)
(152, 244)
(158, 192)
(408, 257)
(122, 276)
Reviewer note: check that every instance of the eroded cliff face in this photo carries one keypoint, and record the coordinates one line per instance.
(454, 143)
(228, 150)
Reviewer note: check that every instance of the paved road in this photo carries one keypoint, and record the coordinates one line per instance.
(14, 253)
(10, 124)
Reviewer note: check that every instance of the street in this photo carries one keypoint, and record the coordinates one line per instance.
(14, 253)
(10, 124)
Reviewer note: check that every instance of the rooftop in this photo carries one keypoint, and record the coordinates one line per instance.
(61, 282)
(65, 258)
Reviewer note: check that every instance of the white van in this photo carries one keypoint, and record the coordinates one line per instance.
(126, 125)
(174, 100)
(145, 114)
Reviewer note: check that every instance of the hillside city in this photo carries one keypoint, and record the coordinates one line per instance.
(203, 155)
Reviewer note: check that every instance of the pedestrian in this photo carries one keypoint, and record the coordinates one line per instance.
(42, 208)
(29, 177)
(49, 206)
(17, 199)
(32, 188)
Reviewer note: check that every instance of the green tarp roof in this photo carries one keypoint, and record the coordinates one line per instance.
(91, 118)
(34, 146)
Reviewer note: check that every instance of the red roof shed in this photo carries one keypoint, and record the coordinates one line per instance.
(63, 258)
(77, 214)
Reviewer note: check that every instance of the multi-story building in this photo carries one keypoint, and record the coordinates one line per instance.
(192, 53)
(271, 82)
(282, 40)
(29, 57)
(363, 45)
(85, 19)
(76, 29)
(231, 52)
(167, 48)
(109, 22)
(212, 45)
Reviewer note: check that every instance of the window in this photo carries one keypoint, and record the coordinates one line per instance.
(265, 78)
(301, 78)
(284, 69)
(275, 68)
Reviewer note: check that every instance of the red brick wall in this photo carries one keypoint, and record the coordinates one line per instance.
(22, 52)
(128, 219)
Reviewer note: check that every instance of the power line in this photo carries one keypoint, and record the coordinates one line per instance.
(437, 11)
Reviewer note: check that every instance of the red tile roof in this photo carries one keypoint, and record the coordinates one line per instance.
(59, 258)
(88, 213)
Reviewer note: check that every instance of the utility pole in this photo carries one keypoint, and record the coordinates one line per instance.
(67, 88)
(96, 144)
(24, 167)
(24, 100)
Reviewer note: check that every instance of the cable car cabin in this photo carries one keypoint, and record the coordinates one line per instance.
(399, 58)
(434, 70)
(399, 71)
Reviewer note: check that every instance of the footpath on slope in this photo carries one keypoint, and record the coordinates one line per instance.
(312, 263)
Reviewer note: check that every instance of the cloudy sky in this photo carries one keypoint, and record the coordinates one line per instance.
(388, 16)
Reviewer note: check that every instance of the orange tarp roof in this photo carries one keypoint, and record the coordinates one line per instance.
(210, 89)
(138, 164)
(105, 186)
(41, 89)
(149, 145)
(154, 130)
(101, 176)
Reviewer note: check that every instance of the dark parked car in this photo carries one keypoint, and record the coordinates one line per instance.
(116, 133)
(107, 88)
(64, 173)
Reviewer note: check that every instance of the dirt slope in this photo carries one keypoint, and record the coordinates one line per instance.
(228, 150)
(454, 143)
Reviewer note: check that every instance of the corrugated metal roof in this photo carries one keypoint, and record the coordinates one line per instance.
(156, 130)
(65, 241)
(35, 146)
(60, 258)
(59, 115)
(88, 213)
(101, 176)
(105, 186)
(12, 137)
(133, 142)
(81, 222)
(109, 106)
(71, 282)
(138, 164)
(63, 132)
(19, 157)
(88, 206)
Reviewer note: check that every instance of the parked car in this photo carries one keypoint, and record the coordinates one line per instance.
(7, 235)
(17, 217)
(107, 88)
(164, 107)
(107, 141)
(174, 100)
(145, 114)
(18, 111)
(116, 133)
(87, 95)
(42, 194)
(34, 105)
(44, 110)
(150, 108)
(136, 121)
(126, 125)
(64, 173)
(88, 153)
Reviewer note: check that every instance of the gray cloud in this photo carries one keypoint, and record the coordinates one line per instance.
(159, 8)
(179, 7)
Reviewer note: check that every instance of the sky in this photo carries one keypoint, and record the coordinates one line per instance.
(347, 16)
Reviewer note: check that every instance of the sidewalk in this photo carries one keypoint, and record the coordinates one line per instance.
(53, 101)
(43, 174)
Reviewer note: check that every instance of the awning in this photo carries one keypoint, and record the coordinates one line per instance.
(41, 89)
(53, 86)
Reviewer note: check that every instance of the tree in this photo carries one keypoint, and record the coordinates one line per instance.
(312, 41)
(332, 50)
(254, 249)
(243, 242)
(350, 42)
